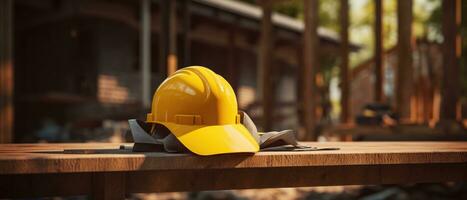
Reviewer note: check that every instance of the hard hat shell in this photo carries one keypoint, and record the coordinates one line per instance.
(200, 108)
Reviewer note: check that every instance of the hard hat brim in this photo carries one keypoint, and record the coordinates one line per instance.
(212, 140)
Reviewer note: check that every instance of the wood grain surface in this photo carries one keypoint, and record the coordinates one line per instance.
(54, 158)
(106, 172)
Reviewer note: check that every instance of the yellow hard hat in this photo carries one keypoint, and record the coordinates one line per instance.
(200, 108)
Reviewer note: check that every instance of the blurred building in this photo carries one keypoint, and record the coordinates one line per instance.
(78, 71)
(427, 67)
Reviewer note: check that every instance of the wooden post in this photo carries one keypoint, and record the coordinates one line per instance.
(145, 45)
(264, 65)
(311, 43)
(450, 79)
(163, 36)
(299, 93)
(108, 185)
(168, 37)
(172, 60)
(186, 35)
(6, 71)
(232, 68)
(404, 75)
(344, 70)
(379, 67)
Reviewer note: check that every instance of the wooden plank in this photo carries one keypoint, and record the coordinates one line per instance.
(311, 43)
(6, 71)
(450, 87)
(378, 52)
(54, 147)
(265, 57)
(217, 179)
(44, 185)
(98, 185)
(344, 67)
(113, 159)
(404, 77)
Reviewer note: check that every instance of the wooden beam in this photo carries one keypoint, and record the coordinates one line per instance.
(299, 93)
(344, 67)
(105, 170)
(404, 75)
(186, 35)
(311, 43)
(108, 157)
(232, 65)
(145, 53)
(6, 71)
(66, 184)
(265, 57)
(97, 9)
(450, 87)
(32, 185)
(172, 58)
(164, 36)
(378, 52)
(175, 181)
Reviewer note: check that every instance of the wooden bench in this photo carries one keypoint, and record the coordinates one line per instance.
(107, 172)
(401, 132)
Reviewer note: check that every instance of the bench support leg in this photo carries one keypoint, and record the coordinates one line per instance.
(109, 185)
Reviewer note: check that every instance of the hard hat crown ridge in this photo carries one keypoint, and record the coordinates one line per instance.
(195, 91)
(200, 108)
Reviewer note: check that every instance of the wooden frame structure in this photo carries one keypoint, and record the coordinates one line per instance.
(451, 53)
(310, 56)
(344, 68)
(378, 52)
(404, 74)
(265, 57)
(170, 57)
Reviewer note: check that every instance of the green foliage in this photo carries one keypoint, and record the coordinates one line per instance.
(291, 8)
(328, 16)
(426, 23)
(433, 23)
(328, 67)
(248, 1)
